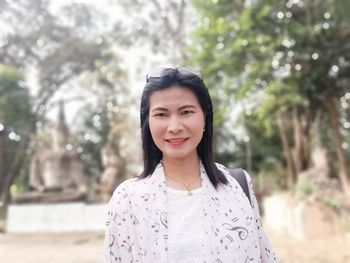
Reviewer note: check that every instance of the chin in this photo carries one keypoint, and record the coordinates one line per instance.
(181, 156)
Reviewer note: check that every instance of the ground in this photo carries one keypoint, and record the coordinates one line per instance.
(326, 250)
(51, 248)
(87, 248)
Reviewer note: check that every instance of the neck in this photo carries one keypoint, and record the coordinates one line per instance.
(183, 170)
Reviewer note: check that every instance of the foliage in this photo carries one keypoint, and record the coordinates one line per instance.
(92, 138)
(106, 118)
(305, 187)
(61, 46)
(14, 99)
(279, 55)
(15, 114)
(162, 27)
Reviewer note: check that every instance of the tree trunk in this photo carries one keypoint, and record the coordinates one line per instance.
(343, 167)
(298, 154)
(301, 125)
(286, 150)
(16, 164)
(307, 139)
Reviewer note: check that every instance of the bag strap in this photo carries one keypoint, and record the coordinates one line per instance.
(240, 177)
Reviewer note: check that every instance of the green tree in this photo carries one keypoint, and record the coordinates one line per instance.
(163, 25)
(107, 119)
(15, 114)
(290, 57)
(60, 46)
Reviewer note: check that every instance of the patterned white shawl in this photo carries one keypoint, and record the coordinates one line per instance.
(137, 222)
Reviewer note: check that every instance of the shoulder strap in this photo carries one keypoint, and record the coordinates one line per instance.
(239, 175)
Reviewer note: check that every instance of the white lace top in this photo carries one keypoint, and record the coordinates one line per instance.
(185, 223)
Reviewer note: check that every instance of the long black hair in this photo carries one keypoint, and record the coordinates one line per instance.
(171, 77)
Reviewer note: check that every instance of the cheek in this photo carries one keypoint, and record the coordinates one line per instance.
(154, 129)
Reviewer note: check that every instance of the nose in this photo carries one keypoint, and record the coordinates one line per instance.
(174, 125)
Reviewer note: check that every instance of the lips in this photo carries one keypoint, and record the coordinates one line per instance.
(177, 141)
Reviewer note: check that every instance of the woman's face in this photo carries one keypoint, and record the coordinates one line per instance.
(176, 121)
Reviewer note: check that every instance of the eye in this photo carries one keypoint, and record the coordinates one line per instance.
(187, 112)
(159, 115)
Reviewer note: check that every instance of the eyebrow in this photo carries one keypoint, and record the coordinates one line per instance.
(181, 108)
(187, 106)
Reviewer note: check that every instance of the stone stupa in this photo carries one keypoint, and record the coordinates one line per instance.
(56, 174)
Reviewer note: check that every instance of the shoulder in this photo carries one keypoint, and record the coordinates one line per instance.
(222, 168)
(121, 190)
(121, 194)
(233, 181)
(225, 170)
(128, 190)
(249, 179)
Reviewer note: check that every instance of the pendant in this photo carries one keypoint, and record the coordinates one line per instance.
(189, 192)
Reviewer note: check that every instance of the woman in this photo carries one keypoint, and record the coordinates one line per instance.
(183, 207)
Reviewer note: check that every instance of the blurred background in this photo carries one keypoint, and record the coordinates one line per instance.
(71, 76)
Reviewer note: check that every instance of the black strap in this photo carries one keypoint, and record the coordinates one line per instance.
(239, 175)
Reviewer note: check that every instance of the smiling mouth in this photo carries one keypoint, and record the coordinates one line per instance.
(176, 141)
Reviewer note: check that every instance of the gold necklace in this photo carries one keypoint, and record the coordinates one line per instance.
(187, 186)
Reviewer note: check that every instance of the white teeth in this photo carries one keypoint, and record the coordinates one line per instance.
(176, 140)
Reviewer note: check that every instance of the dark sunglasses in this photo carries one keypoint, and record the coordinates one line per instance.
(162, 71)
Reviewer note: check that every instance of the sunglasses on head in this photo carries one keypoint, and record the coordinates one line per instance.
(162, 71)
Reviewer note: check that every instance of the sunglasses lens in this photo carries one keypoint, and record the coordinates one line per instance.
(190, 71)
(158, 72)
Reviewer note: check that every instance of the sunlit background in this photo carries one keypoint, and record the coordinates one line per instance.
(71, 76)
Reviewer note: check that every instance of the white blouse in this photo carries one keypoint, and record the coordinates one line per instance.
(138, 227)
(185, 223)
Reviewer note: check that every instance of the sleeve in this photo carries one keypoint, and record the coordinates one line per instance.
(116, 248)
(267, 253)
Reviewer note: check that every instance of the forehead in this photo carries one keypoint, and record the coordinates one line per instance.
(174, 96)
